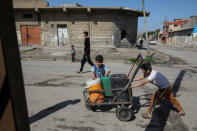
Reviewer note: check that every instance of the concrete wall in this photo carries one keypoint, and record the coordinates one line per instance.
(127, 23)
(182, 35)
(180, 38)
(29, 3)
(104, 27)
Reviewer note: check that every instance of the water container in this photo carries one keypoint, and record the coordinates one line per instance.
(106, 85)
(119, 81)
(95, 85)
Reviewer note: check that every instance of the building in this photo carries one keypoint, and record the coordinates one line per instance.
(180, 31)
(38, 23)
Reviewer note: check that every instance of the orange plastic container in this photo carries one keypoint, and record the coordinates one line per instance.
(95, 85)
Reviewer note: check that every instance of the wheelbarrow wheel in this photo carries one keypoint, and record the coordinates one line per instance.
(124, 113)
(93, 108)
(89, 107)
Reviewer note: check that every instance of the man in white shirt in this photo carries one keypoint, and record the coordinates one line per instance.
(165, 89)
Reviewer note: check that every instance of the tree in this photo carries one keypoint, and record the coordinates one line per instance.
(154, 33)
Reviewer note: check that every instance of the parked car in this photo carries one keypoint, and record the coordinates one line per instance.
(152, 42)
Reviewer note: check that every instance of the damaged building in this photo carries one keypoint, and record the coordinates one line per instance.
(180, 32)
(37, 23)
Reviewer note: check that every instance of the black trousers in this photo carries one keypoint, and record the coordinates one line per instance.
(83, 61)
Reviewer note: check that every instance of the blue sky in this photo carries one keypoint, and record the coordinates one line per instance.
(159, 9)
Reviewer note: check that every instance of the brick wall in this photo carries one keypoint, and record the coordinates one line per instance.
(102, 28)
(50, 21)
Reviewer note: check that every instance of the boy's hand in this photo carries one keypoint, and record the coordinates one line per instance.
(93, 78)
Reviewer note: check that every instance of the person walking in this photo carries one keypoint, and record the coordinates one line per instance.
(86, 55)
(141, 43)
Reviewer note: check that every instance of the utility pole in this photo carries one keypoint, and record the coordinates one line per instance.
(146, 31)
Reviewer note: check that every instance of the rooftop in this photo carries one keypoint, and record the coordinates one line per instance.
(38, 5)
(176, 22)
(89, 9)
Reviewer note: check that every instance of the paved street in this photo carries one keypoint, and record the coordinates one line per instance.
(55, 100)
(189, 55)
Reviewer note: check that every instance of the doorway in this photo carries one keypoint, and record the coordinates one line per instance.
(30, 35)
(62, 34)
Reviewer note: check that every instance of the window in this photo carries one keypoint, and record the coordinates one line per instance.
(62, 26)
(27, 16)
(123, 34)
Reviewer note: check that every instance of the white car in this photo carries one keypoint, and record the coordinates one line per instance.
(152, 42)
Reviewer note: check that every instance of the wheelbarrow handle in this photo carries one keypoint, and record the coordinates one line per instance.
(138, 62)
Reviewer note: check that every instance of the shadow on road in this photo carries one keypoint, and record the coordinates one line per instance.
(136, 103)
(161, 114)
(52, 109)
(177, 83)
(86, 72)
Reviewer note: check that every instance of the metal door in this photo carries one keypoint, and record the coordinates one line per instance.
(30, 35)
(62, 35)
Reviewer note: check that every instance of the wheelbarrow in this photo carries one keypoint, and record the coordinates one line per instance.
(112, 96)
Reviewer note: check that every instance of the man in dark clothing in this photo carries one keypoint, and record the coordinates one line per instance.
(86, 55)
(141, 44)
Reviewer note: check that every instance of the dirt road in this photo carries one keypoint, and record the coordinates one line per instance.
(55, 101)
